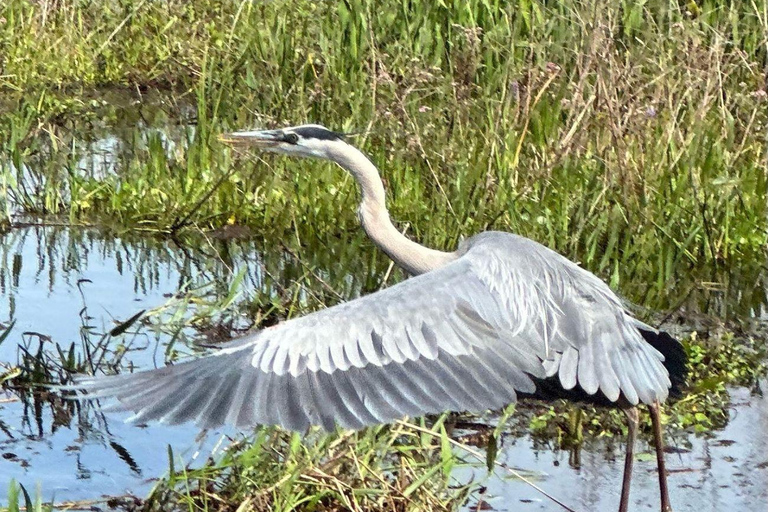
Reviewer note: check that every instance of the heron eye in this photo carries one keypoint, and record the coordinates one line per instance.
(291, 138)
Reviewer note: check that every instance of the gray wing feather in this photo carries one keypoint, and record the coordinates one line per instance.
(569, 367)
(468, 336)
(609, 383)
(590, 340)
(422, 346)
(586, 369)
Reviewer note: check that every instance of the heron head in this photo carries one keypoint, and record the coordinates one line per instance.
(310, 140)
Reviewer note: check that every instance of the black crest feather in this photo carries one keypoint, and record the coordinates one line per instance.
(317, 132)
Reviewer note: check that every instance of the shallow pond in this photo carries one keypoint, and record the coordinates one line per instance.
(67, 287)
(727, 470)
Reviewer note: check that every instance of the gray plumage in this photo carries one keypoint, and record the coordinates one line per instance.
(467, 336)
(473, 329)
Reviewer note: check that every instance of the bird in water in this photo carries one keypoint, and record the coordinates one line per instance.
(499, 319)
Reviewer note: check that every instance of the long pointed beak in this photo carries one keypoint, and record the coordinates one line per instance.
(257, 138)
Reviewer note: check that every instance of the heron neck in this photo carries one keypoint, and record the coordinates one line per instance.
(412, 257)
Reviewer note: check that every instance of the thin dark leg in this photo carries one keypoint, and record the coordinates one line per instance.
(659, 442)
(632, 421)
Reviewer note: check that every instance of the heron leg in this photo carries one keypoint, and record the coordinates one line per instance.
(659, 442)
(632, 422)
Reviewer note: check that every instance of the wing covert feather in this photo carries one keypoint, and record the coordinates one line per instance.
(422, 346)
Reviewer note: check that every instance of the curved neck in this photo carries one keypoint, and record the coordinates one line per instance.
(412, 257)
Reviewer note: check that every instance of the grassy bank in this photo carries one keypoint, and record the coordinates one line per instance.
(628, 136)
(609, 133)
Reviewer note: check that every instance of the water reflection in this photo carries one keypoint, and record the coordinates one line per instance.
(728, 471)
(62, 289)
(121, 125)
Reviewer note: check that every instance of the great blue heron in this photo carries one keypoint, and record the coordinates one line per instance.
(500, 318)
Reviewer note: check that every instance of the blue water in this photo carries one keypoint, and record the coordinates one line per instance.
(727, 471)
(68, 287)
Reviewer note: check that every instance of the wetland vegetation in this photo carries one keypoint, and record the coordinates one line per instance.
(628, 136)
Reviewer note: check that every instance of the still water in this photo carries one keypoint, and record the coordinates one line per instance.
(63, 287)
(728, 470)
(66, 287)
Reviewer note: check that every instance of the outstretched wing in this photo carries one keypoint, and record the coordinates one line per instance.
(590, 341)
(429, 344)
(469, 336)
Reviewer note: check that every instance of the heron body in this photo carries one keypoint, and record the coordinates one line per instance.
(500, 318)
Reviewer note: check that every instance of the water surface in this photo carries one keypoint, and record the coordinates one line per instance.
(727, 470)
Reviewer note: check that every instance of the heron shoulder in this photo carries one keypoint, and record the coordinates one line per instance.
(505, 257)
(516, 250)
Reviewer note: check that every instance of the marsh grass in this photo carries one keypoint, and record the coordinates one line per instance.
(383, 468)
(18, 492)
(624, 136)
